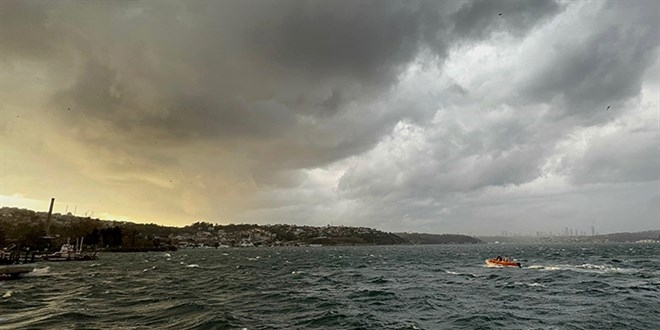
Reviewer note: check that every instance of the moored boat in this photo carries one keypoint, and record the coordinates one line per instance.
(68, 252)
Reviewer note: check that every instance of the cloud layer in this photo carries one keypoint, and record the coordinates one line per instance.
(463, 116)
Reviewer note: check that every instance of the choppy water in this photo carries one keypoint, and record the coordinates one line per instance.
(384, 287)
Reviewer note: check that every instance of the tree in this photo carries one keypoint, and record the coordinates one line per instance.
(116, 236)
(32, 237)
(93, 237)
(2, 237)
(111, 237)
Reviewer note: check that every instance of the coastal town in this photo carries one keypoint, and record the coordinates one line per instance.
(204, 234)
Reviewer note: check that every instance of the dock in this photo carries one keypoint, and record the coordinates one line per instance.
(13, 264)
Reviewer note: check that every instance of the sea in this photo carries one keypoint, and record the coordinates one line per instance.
(560, 286)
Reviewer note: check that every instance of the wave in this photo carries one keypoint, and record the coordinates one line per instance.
(533, 284)
(45, 271)
(292, 290)
(462, 274)
(585, 268)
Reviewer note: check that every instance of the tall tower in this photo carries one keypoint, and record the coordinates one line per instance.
(50, 212)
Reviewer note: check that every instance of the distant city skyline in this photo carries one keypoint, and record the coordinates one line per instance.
(441, 117)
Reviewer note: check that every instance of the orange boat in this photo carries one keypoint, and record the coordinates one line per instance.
(502, 262)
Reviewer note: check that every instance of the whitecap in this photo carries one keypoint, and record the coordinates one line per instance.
(529, 284)
(8, 294)
(40, 272)
(193, 266)
(604, 269)
(584, 268)
(148, 269)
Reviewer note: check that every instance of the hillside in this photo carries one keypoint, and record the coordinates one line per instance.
(27, 228)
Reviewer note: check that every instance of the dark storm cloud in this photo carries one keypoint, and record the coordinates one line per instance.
(364, 40)
(244, 70)
(287, 54)
(333, 102)
(478, 19)
(23, 31)
(603, 68)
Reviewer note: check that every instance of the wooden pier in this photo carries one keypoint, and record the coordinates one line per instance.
(13, 264)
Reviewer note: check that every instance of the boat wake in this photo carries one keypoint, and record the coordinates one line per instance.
(585, 268)
(462, 274)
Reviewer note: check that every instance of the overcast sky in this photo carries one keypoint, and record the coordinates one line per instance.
(472, 117)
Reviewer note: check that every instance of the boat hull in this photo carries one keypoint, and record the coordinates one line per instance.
(502, 263)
